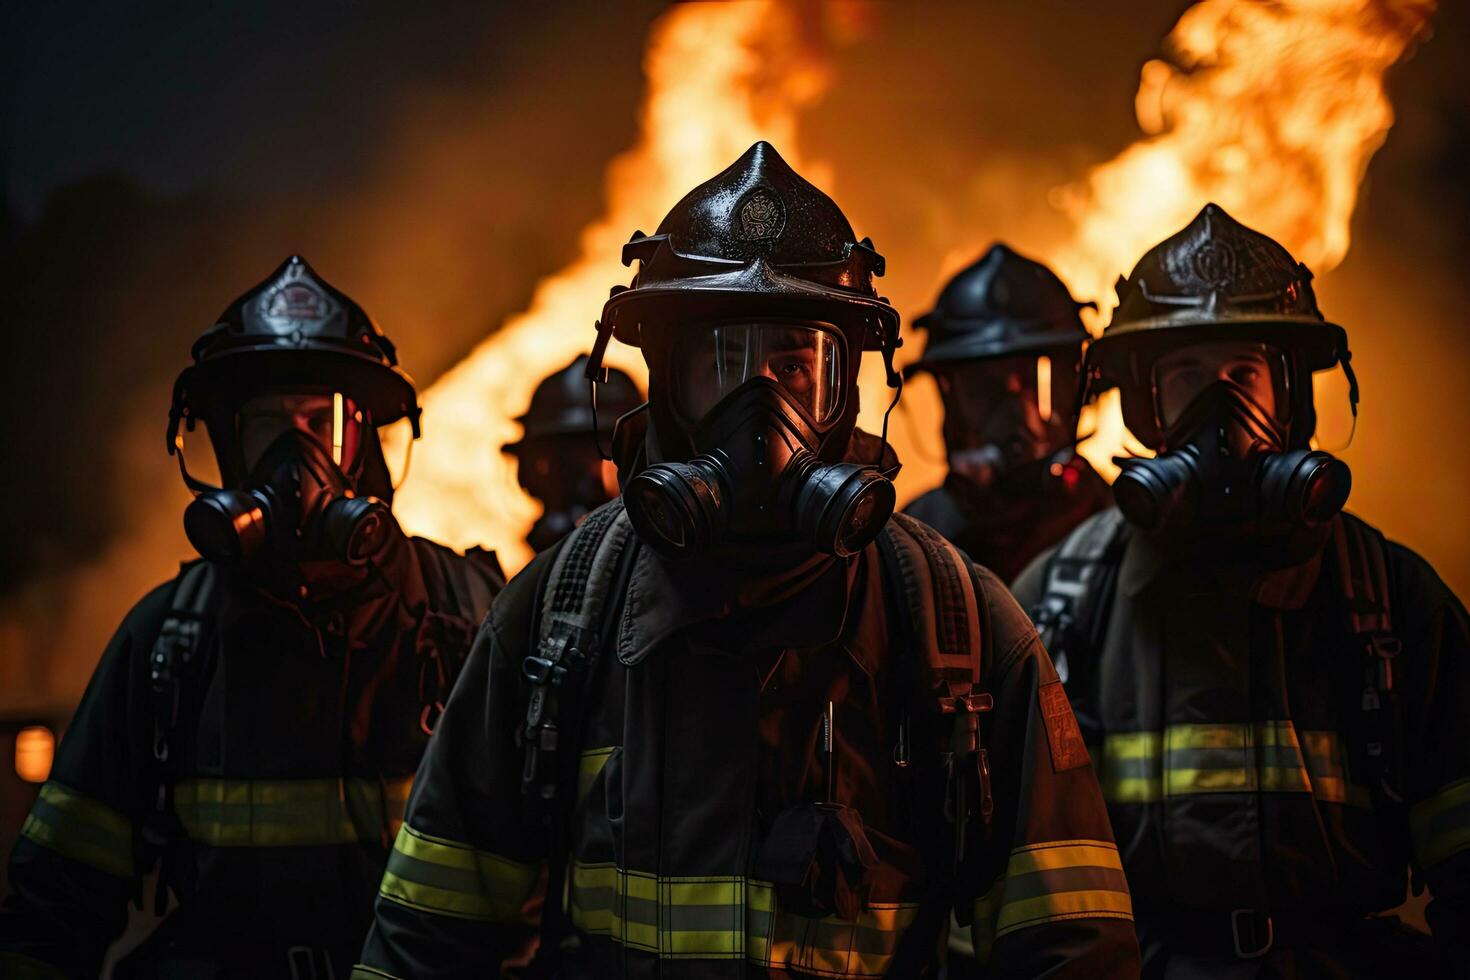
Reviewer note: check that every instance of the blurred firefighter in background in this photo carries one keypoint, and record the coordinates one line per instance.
(560, 456)
(1276, 693)
(1005, 348)
(744, 718)
(253, 728)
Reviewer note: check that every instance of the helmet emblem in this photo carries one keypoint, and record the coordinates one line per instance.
(1214, 263)
(298, 301)
(761, 215)
(295, 301)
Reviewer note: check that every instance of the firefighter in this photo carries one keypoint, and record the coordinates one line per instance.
(742, 721)
(560, 457)
(1004, 344)
(1276, 692)
(251, 732)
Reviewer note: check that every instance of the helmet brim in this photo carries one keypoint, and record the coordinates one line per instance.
(752, 289)
(1320, 344)
(223, 381)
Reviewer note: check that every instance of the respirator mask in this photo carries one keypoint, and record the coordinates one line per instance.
(758, 401)
(1225, 409)
(297, 502)
(1004, 415)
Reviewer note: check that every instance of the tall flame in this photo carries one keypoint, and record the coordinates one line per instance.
(1271, 110)
(720, 77)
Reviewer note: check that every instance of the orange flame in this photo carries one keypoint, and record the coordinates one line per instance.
(1270, 110)
(720, 77)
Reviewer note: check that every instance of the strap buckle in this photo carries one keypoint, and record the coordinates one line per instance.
(1252, 932)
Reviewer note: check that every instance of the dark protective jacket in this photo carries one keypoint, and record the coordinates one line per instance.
(1005, 528)
(1253, 784)
(290, 761)
(703, 727)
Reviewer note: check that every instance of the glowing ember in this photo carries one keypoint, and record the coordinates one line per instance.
(1270, 110)
(720, 76)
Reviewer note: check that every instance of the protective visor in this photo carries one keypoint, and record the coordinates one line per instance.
(712, 360)
(1259, 370)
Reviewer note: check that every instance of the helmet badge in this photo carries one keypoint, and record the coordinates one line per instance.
(761, 215)
(1214, 263)
(295, 303)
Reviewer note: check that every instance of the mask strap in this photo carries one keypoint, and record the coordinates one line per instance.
(597, 374)
(1352, 379)
(895, 381)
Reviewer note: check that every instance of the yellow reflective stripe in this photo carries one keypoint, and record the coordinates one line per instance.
(290, 812)
(1055, 880)
(1145, 767)
(729, 917)
(433, 874)
(1440, 825)
(14, 966)
(78, 827)
(592, 762)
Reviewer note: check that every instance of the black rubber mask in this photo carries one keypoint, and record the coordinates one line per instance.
(296, 505)
(756, 476)
(1231, 467)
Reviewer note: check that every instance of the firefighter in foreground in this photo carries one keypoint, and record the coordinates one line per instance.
(1005, 348)
(1276, 693)
(560, 456)
(749, 724)
(252, 730)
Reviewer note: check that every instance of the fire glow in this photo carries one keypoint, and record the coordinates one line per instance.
(1271, 110)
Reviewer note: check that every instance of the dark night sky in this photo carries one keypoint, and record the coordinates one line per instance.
(265, 98)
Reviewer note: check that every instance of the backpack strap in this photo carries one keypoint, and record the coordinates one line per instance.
(1078, 580)
(940, 645)
(171, 666)
(567, 634)
(943, 612)
(1360, 566)
(574, 624)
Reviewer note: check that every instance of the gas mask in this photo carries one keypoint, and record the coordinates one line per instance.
(1003, 416)
(1232, 464)
(296, 505)
(757, 400)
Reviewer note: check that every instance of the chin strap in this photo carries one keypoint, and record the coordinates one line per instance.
(895, 381)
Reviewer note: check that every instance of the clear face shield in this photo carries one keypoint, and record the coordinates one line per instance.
(333, 419)
(1258, 372)
(805, 359)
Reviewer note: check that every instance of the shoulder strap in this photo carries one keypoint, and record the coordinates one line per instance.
(1077, 582)
(578, 596)
(943, 638)
(944, 616)
(1359, 561)
(171, 666)
(567, 634)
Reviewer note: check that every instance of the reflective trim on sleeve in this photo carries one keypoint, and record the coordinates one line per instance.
(290, 812)
(14, 966)
(1183, 760)
(729, 918)
(1440, 825)
(445, 877)
(591, 764)
(78, 827)
(1074, 879)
